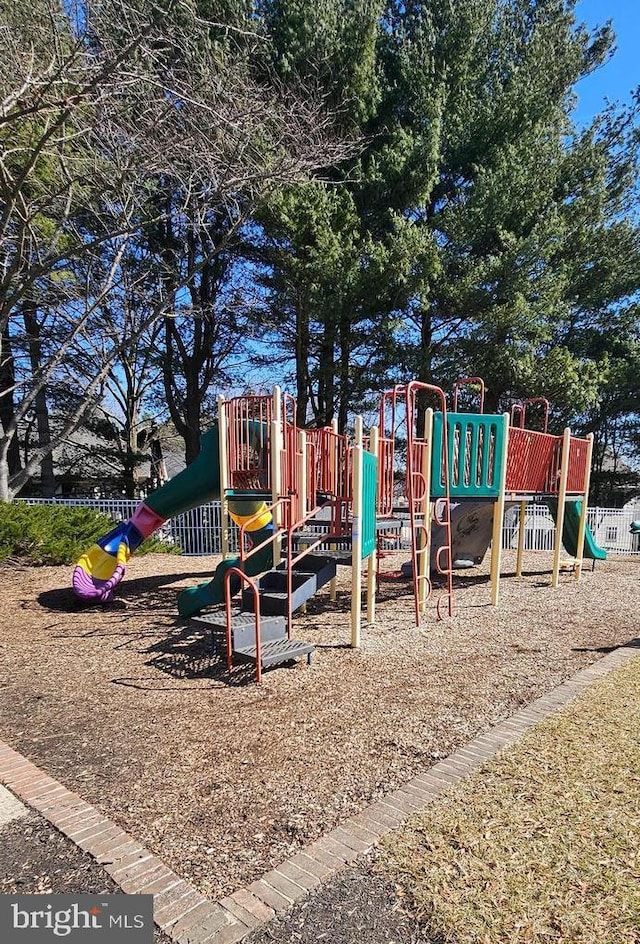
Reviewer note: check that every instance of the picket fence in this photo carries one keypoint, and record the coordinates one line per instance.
(198, 532)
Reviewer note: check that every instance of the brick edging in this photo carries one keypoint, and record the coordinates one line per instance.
(190, 918)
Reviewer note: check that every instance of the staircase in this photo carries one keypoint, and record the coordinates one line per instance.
(275, 646)
(307, 577)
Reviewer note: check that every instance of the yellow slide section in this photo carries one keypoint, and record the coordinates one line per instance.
(100, 564)
(255, 520)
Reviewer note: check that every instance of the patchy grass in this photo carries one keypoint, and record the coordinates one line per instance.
(543, 843)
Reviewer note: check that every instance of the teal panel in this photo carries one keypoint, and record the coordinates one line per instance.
(476, 453)
(369, 494)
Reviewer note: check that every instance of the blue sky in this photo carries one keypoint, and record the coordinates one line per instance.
(616, 80)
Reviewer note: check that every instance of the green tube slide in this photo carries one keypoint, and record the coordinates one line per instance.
(102, 567)
(195, 485)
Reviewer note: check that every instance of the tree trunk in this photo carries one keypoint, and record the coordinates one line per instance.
(32, 328)
(7, 408)
(130, 459)
(191, 436)
(491, 399)
(425, 372)
(344, 380)
(302, 363)
(131, 449)
(326, 375)
(5, 493)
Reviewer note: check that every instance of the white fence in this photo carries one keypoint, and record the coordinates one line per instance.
(610, 528)
(198, 532)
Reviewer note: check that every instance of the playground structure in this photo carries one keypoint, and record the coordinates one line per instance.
(307, 501)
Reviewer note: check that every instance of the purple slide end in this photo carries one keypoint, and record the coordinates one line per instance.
(89, 588)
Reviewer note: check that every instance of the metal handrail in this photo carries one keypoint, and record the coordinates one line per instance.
(243, 530)
(468, 381)
(227, 606)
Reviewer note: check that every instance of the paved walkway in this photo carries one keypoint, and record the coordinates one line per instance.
(187, 916)
(10, 807)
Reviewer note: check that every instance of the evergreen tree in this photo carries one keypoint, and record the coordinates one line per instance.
(499, 235)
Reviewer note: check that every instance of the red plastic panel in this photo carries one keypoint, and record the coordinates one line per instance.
(533, 462)
(578, 454)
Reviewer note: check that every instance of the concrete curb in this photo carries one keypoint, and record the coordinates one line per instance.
(190, 918)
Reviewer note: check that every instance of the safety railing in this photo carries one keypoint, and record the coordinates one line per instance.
(475, 382)
(578, 458)
(533, 462)
(248, 423)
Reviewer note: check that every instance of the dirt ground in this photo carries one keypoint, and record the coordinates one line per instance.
(35, 859)
(358, 906)
(223, 778)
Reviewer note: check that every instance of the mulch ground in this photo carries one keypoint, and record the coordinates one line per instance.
(223, 778)
(358, 906)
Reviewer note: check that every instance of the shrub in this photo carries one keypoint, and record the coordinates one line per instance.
(56, 534)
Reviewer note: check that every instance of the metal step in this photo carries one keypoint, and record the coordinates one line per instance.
(328, 548)
(275, 647)
(243, 627)
(314, 534)
(275, 652)
(317, 564)
(308, 576)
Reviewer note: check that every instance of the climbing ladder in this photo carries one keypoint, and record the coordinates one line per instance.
(403, 406)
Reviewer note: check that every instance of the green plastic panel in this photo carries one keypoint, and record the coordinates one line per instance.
(476, 453)
(369, 494)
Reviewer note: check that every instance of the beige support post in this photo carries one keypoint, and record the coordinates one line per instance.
(424, 557)
(521, 521)
(223, 460)
(356, 539)
(562, 497)
(372, 560)
(276, 471)
(333, 586)
(582, 527)
(498, 517)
